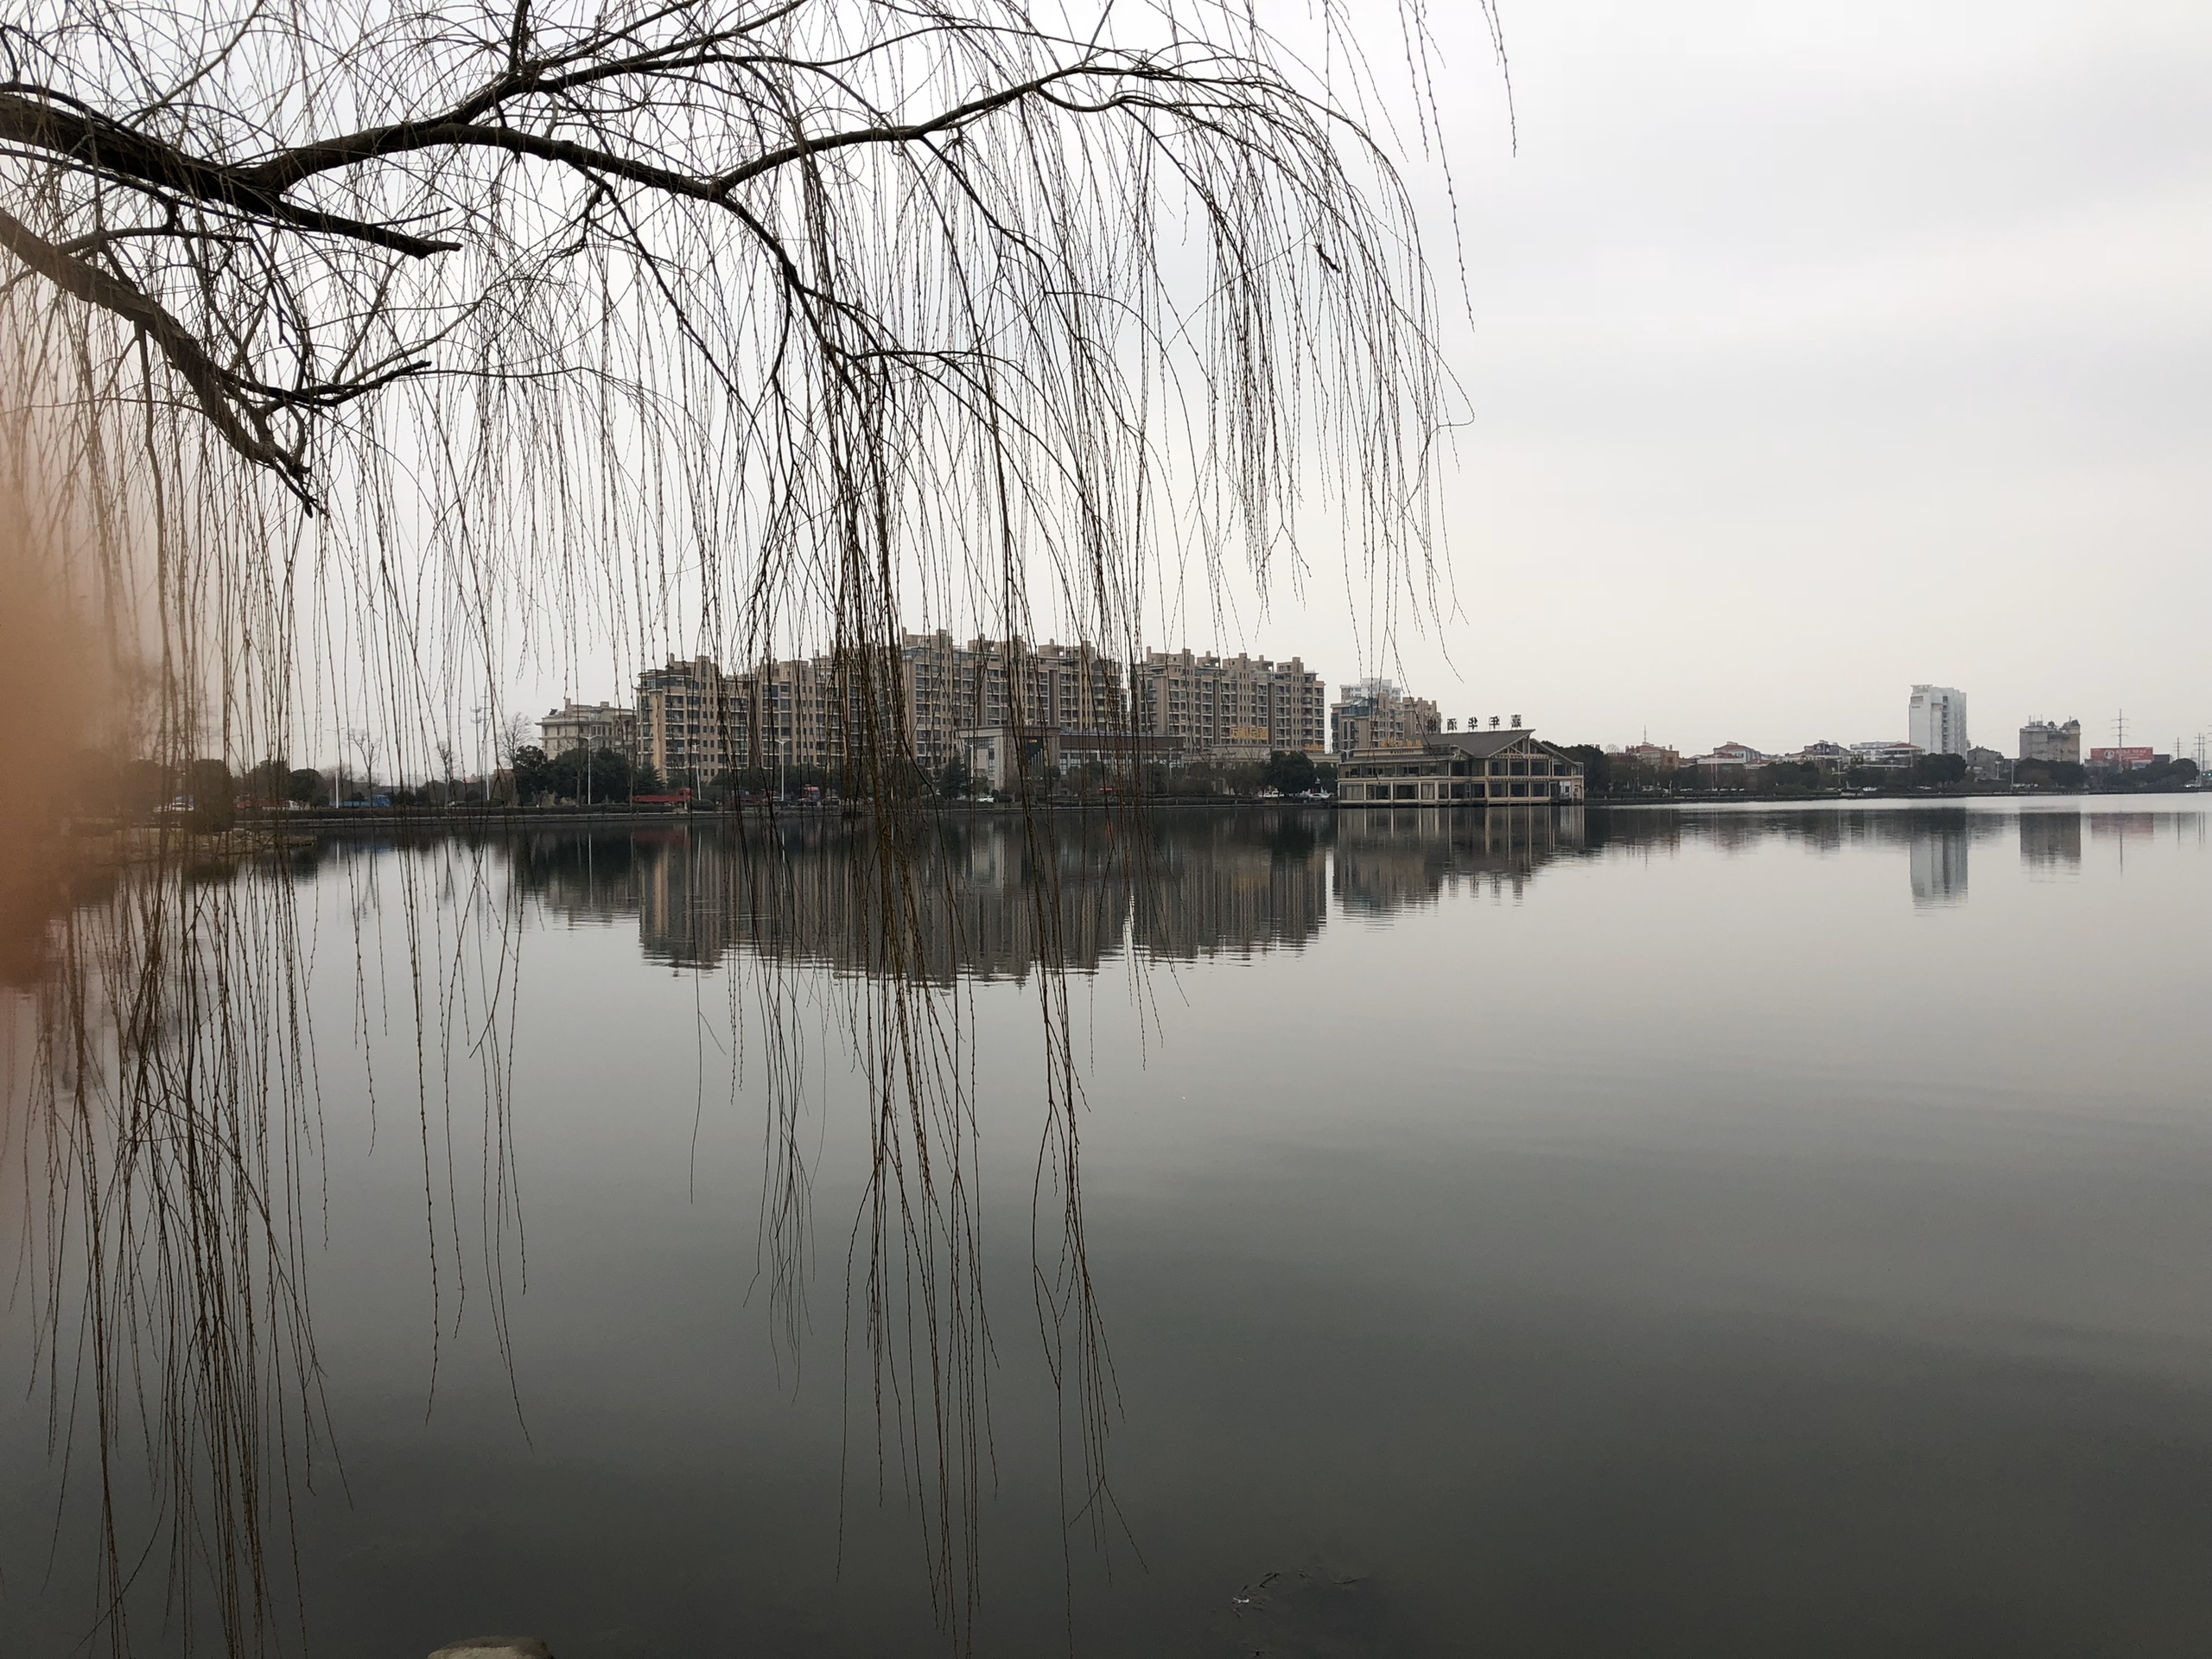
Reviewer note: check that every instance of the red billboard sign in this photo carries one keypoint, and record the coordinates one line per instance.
(2129, 760)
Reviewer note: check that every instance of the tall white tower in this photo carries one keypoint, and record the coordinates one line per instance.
(1937, 721)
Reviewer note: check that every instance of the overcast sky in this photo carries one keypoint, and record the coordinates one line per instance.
(1815, 349)
(1819, 349)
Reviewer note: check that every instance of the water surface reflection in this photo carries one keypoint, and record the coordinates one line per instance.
(1721, 1232)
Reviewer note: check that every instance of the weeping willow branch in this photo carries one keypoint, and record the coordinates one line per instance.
(390, 353)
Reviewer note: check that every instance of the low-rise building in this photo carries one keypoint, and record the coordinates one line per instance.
(1826, 755)
(593, 726)
(1987, 766)
(1884, 754)
(2129, 759)
(1506, 767)
(1731, 753)
(997, 757)
(1650, 757)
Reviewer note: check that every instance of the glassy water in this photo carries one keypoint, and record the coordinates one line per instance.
(1721, 1232)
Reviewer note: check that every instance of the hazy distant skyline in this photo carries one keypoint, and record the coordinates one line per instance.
(1814, 353)
(1817, 352)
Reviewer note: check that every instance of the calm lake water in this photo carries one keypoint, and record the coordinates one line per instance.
(1723, 1232)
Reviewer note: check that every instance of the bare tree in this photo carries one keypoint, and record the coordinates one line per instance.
(365, 746)
(468, 331)
(822, 294)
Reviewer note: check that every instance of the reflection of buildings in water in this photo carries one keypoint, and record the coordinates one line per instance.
(1390, 857)
(1218, 882)
(585, 877)
(2127, 826)
(2051, 841)
(984, 898)
(1821, 828)
(1937, 857)
(1935, 841)
(973, 900)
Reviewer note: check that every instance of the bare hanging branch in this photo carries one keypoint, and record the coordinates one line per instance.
(727, 325)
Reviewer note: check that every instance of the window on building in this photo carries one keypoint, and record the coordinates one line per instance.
(1519, 769)
(1407, 792)
(1520, 789)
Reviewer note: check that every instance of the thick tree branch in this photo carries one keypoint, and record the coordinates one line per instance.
(134, 158)
(462, 130)
(210, 385)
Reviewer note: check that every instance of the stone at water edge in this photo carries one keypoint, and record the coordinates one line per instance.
(496, 1647)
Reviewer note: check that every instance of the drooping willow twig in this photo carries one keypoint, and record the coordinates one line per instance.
(378, 357)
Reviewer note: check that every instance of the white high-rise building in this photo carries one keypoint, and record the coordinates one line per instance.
(1938, 720)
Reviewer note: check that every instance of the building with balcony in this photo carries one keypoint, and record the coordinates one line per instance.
(695, 722)
(1235, 708)
(946, 689)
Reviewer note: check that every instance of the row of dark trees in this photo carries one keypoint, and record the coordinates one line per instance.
(1285, 773)
(1608, 775)
(581, 775)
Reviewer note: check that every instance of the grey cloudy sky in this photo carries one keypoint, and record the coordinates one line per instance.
(1814, 350)
(1818, 349)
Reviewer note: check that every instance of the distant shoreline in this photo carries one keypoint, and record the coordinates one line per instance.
(320, 818)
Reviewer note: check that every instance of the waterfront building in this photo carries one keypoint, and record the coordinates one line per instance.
(591, 726)
(1652, 757)
(1508, 766)
(1826, 755)
(1376, 714)
(1229, 708)
(1935, 719)
(1731, 753)
(1885, 753)
(997, 757)
(2046, 740)
(2130, 758)
(1986, 765)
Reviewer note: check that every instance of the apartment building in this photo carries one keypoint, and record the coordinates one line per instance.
(1376, 714)
(695, 722)
(593, 726)
(1229, 708)
(946, 689)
